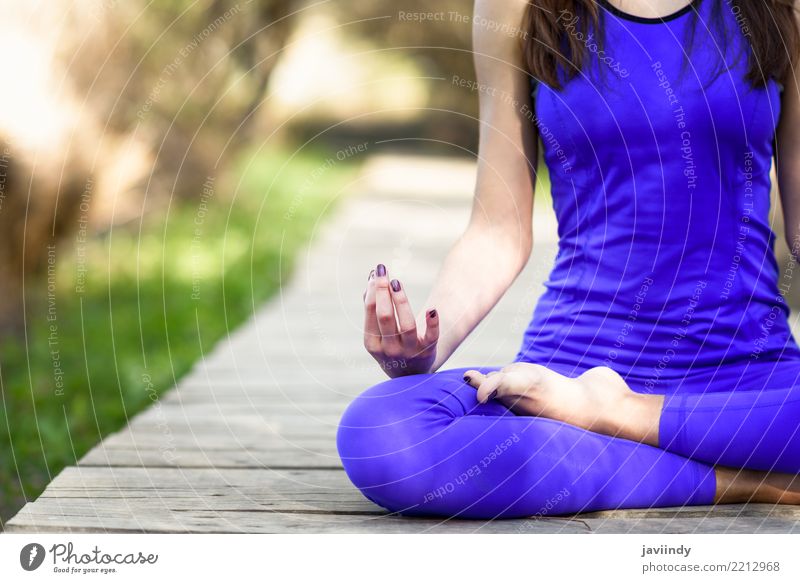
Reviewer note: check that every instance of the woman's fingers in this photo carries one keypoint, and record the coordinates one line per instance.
(372, 334)
(390, 327)
(490, 386)
(474, 378)
(369, 279)
(431, 329)
(384, 311)
(405, 317)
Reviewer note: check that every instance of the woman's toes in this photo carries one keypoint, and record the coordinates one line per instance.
(474, 378)
(491, 387)
(604, 376)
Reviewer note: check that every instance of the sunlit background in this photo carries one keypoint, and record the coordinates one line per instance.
(161, 165)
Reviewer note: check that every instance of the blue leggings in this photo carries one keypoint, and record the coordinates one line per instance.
(422, 445)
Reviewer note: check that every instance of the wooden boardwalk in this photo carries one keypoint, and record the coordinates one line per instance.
(246, 441)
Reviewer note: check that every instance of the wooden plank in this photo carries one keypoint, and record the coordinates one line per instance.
(212, 489)
(165, 516)
(708, 525)
(321, 445)
(248, 391)
(220, 499)
(284, 369)
(250, 429)
(231, 418)
(190, 512)
(322, 455)
(234, 420)
(100, 478)
(256, 393)
(173, 408)
(226, 435)
(724, 510)
(199, 457)
(170, 500)
(324, 490)
(110, 516)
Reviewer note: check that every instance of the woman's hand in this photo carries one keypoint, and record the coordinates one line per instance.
(390, 328)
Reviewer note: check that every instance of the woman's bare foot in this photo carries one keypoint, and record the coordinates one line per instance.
(599, 400)
(741, 486)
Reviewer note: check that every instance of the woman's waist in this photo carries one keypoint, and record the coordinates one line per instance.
(689, 317)
(655, 346)
(665, 282)
(656, 298)
(705, 303)
(626, 245)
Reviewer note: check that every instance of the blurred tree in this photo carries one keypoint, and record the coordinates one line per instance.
(439, 37)
(113, 107)
(185, 76)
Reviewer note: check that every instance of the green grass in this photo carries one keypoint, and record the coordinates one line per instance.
(156, 295)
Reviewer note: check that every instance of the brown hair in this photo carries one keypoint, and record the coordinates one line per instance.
(770, 26)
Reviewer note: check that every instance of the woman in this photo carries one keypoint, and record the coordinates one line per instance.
(659, 368)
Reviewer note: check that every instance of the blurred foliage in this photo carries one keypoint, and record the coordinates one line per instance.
(135, 101)
(187, 76)
(439, 36)
(136, 313)
(437, 40)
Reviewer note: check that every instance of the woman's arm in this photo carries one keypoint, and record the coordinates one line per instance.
(497, 242)
(788, 156)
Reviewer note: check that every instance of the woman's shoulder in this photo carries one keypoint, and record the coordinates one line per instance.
(498, 24)
(510, 9)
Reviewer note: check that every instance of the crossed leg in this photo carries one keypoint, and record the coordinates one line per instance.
(751, 436)
(424, 445)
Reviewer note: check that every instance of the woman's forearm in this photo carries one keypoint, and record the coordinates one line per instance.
(476, 273)
(787, 158)
(789, 186)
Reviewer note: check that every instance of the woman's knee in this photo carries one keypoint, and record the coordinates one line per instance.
(394, 402)
(384, 437)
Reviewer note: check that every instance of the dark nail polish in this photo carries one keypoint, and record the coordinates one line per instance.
(432, 313)
(395, 285)
(381, 270)
(493, 395)
(371, 273)
(467, 378)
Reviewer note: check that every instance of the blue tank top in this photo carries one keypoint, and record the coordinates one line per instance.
(660, 172)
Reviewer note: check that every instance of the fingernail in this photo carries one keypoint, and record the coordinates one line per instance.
(381, 270)
(432, 313)
(493, 395)
(467, 378)
(371, 273)
(395, 285)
